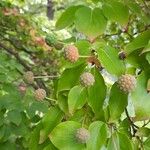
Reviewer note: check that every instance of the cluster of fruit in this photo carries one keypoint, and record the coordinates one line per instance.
(126, 82)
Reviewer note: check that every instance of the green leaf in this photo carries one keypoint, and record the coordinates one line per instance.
(113, 143)
(62, 101)
(97, 92)
(108, 56)
(76, 98)
(147, 144)
(148, 57)
(50, 146)
(116, 11)
(14, 116)
(83, 47)
(124, 142)
(117, 103)
(98, 135)
(139, 42)
(37, 106)
(119, 141)
(143, 132)
(90, 22)
(63, 136)
(140, 98)
(147, 48)
(49, 121)
(34, 138)
(70, 77)
(148, 85)
(67, 17)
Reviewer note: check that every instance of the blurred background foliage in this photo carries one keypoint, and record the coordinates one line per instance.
(30, 42)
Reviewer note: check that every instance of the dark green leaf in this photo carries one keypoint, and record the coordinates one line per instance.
(117, 103)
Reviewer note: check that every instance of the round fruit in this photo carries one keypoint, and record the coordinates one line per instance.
(82, 135)
(127, 83)
(71, 53)
(29, 76)
(22, 88)
(40, 94)
(87, 79)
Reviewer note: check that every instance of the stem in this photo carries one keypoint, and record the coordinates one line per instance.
(39, 77)
(146, 123)
(134, 127)
(54, 100)
(84, 56)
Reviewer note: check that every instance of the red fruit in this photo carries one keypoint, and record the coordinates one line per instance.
(71, 53)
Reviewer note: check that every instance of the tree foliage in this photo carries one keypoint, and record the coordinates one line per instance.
(45, 97)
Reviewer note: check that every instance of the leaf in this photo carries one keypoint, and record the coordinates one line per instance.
(140, 98)
(67, 17)
(70, 77)
(113, 143)
(139, 42)
(148, 57)
(14, 116)
(76, 98)
(98, 135)
(148, 85)
(62, 101)
(83, 47)
(37, 106)
(143, 132)
(147, 144)
(124, 142)
(116, 11)
(34, 138)
(49, 121)
(50, 146)
(119, 141)
(117, 103)
(97, 92)
(63, 136)
(147, 48)
(90, 22)
(108, 56)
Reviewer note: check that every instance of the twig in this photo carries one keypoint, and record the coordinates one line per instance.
(134, 127)
(28, 68)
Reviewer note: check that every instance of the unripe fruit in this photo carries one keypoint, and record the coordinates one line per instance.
(87, 79)
(127, 83)
(71, 53)
(29, 77)
(22, 88)
(40, 94)
(82, 135)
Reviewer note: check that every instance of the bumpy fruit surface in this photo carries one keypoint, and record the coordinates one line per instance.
(29, 76)
(127, 83)
(82, 135)
(71, 53)
(87, 79)
(40, 94)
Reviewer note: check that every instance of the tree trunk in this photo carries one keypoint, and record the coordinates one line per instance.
(50, 10)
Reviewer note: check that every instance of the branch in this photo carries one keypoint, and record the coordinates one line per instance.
(134, 127)
(27, 68)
